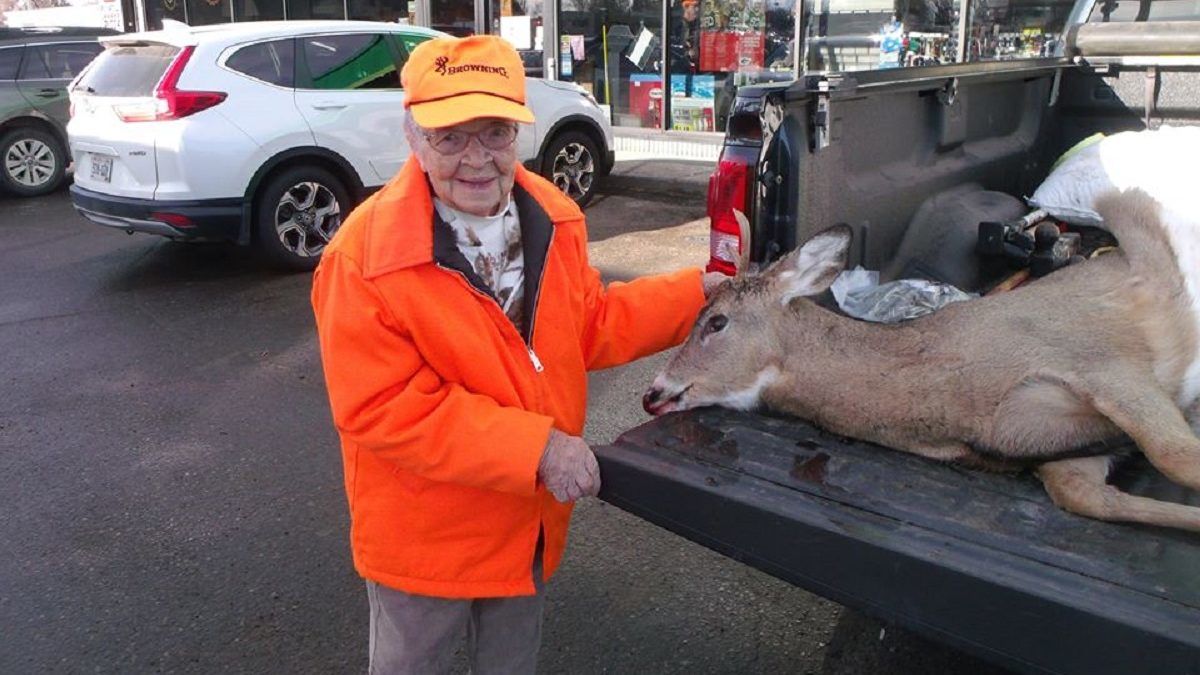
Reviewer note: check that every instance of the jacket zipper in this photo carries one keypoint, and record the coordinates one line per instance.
(533, 357)
(537, 363)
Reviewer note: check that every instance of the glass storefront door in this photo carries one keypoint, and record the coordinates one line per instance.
(522, 22)
(613, 49)
(518, 21)
(717, 46)
(616, 51)
(157, 10)
(457, 17)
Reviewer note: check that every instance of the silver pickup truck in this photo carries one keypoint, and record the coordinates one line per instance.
(912, 135)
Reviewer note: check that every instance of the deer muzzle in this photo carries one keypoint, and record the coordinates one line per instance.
(658, 399)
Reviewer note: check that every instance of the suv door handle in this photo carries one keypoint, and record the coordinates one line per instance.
(48, 93)
(328, 105)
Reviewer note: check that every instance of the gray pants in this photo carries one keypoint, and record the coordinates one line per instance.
(418, 634)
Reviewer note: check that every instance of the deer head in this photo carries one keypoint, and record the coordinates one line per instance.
(734, 351)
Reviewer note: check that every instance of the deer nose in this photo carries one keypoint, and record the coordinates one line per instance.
(652, 395)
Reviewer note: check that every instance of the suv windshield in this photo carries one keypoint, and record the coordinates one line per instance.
(127, 70)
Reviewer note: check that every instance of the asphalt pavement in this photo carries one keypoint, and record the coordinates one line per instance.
(172, 487)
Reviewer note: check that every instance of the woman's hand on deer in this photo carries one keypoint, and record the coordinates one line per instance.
(568, 467)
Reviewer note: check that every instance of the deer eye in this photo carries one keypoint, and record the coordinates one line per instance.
(716, 323)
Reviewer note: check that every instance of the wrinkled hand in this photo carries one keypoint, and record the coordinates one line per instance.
(710, 281)
(568, 467)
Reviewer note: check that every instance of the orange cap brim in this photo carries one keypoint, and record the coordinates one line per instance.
(447, 112)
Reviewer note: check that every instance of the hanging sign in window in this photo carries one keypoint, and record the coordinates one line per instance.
(731, 35)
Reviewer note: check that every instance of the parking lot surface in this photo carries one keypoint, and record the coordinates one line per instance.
(173, 488)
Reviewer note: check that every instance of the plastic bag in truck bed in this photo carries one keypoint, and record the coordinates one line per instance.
(859, 294)
(1161, 162)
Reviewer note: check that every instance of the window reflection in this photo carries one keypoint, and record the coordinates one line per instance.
(272, 62)
(521, 23)
(456, 17)
(1001, 30)
(1145, 10)
(868, 35)
(157, 10)
(717, 46)
(315, 9)
(390, 11)
(351, 62)
(204, 12)
(848, 35)
(615, 51)
(257, 10)
(57, 61)
(612, 49)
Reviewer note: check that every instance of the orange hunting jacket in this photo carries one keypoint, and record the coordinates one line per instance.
(444, 405)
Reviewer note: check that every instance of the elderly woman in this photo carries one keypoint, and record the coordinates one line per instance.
(458, 317)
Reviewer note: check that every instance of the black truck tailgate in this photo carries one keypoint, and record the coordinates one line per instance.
(984, 562)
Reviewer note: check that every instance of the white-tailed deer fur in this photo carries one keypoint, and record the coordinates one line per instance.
(1036, 376)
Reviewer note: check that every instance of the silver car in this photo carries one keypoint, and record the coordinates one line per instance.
(35, 67)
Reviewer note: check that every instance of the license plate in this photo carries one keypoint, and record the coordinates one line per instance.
(102, 168)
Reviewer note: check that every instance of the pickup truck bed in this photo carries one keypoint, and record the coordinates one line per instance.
(980, 561)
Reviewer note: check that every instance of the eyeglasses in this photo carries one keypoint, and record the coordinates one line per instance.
(452, 142)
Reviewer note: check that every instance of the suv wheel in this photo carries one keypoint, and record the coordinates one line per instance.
(572, 163)
(32, 162)
(298, 211)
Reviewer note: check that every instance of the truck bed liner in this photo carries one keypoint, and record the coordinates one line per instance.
(984, 562)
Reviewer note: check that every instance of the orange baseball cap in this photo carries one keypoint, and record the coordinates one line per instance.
(450, 80)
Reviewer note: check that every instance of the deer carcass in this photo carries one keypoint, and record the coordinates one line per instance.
(1034, 377)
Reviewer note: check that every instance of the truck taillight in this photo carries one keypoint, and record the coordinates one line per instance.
(169, 102)
(728, 189)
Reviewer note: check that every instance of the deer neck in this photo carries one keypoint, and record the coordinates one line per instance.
(835, 362)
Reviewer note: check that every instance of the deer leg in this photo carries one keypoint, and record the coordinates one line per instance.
(1080, 486)
(1144, 412)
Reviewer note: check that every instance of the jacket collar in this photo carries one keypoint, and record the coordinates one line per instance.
(401, 227)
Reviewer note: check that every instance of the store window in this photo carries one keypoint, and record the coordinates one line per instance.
(377, 10)
(1001, 30)
(315, 9)
(522, 23)
(613, 49)
(875, 34)
(456, 17)
(1131, 10)
(716, 46)
(208, 12)
(845, 35)
(257, 10)
(351, 62)
(157, 10)
(273, 62)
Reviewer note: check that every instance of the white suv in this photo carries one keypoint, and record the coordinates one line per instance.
(269, 133)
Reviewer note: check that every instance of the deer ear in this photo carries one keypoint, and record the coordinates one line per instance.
(742, 258)
(813, 267)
